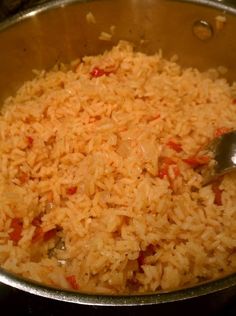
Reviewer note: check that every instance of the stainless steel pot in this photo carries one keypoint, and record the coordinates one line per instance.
(58, 31)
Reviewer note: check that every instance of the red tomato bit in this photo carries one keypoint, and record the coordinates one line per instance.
(166, 163)
(133, 284)
(71, 279)
(37, 220)
(140, 259)
(17, 226)
(234, 101)
(71, 190)
(163, 173)
(196, 162)
(38, 234)
(221, 131)
(176, 170)
(30, 141)
(217, 191)
(153, 118)
(98, 72)
(49, 234)
(175, 146)
(23, 177)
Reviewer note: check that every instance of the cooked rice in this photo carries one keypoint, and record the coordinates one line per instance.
(112, 29)
(104, 36)
(81, 159)
(90, 18)
(220, 21)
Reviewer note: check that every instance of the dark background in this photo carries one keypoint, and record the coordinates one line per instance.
(10, 7)
(15, 302)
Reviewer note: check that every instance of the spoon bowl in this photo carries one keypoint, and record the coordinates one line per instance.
(223, 149)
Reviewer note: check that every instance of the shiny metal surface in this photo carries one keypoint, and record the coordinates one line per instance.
(117, 300)
(224, 153)
(58, 32)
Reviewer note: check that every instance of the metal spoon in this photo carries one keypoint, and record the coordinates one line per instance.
(223, 149)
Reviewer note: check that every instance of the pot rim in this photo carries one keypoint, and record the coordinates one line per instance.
(39, 289)
(70, 296)
(53, 4)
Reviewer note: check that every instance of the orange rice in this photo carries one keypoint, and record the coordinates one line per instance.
(100, 185)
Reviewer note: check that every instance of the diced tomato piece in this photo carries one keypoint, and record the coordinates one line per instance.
(218, 196)
(163, 172)
(217, 191)
(175, 146)
(234, 101)
(71, 279)
(140, 259)
(150, 250)
(197, 161)
(49, 234)
(94, 118)
(17, 226)
(62, 84)
(98, 72)
(30, 141)
(71, 190)
(221, 131)
(37, 220)
(28, 120)
(176, 170)
(166, 163)
(133, 284)
(23, 177)
(38, 234)
(153, 118)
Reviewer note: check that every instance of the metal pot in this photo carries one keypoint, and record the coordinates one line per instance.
(57, 31)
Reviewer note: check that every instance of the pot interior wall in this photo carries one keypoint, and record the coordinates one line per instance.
(61, 34)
